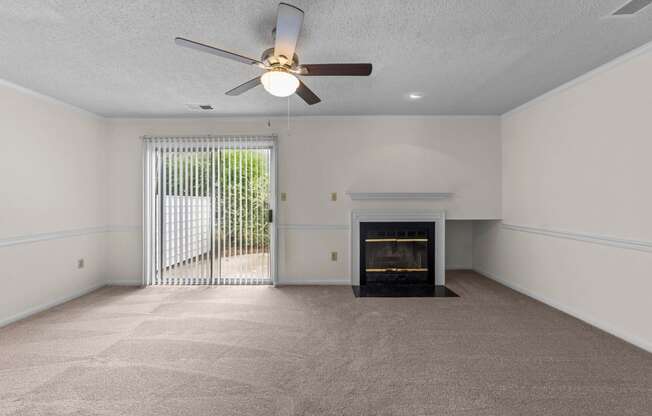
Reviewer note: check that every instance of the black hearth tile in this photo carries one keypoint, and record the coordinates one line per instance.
(402, 291)
(444, 292)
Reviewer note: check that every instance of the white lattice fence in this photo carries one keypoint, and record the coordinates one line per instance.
(185, 220)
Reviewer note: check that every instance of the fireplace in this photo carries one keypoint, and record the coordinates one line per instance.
(397, 253)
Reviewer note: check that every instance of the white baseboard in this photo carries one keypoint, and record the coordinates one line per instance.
(40, 308)
(124, 283)
(283, 282)
(314, 282)
(632, 339)
(458, 267)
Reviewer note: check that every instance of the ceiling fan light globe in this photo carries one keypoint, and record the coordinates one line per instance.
(279, 83)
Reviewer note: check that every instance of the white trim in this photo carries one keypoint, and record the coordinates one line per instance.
(264, 141)
(314, 282)
(56, 235)
(614, 63)
(147, 196)
(458, 267)
(632, 339)
(62, 234)
(44, 306)
(263, 118)
(359, 196)
(150, 143)
(124, 282)
(385, 215)
(292, 227)
(329, 227)
(49, 99)
(273, 204)
(585, 237)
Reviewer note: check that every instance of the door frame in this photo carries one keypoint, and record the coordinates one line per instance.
(273, 238)
(148, 185)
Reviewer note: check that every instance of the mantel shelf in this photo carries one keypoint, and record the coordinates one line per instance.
(359, 196)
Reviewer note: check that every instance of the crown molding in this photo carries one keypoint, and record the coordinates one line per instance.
(614, 63)
(327, 227)
(49, 99)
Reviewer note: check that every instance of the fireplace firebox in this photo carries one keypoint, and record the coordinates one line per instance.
(397, 259)
(397, 253)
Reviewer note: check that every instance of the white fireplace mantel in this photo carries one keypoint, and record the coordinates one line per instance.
(361, 196)
(396, 215)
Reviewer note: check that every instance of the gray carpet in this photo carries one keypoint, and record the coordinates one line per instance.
(316, 351)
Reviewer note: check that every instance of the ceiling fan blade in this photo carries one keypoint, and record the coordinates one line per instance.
(306, 93)
(244, 87)
(215, 51)
(288, 26)
(336, 70)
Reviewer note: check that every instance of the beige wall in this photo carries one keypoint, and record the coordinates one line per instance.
(52, 185)
(459, 244)
(323, 155)
(577, 179)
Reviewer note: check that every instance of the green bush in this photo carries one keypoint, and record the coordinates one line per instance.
(238, 181)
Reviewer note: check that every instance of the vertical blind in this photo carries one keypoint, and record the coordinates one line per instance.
(206, 207)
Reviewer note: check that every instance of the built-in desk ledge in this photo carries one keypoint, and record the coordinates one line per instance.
(357, 196)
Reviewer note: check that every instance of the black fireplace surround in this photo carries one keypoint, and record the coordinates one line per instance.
(397, 259)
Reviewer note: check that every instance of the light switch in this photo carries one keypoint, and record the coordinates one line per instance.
(333, 196)
(333, 255)
(284, 196)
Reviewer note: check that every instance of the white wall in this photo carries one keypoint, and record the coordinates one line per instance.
(459, 244)
(577, 200)
(319, 156)
(53, 204)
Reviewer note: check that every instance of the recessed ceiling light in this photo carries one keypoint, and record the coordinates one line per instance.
(415, 95)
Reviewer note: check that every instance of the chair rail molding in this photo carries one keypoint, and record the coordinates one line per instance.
(582, 236)
(399, 215)
(55, 235)
(362, 196)
(328, 227)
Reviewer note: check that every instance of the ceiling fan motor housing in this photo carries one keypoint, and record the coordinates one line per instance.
(270, 59)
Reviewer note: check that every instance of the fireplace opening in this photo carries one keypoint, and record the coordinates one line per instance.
(397, 253)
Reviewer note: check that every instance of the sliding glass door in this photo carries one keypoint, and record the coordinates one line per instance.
(208, 210)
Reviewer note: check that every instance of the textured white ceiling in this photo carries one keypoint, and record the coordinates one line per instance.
(118, 58)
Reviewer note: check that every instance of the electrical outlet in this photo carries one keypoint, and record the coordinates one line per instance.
(333, 196)
(284, 196)
(333, 255)
(80, 263)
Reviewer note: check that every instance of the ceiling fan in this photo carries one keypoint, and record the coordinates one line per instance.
(281, 63)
